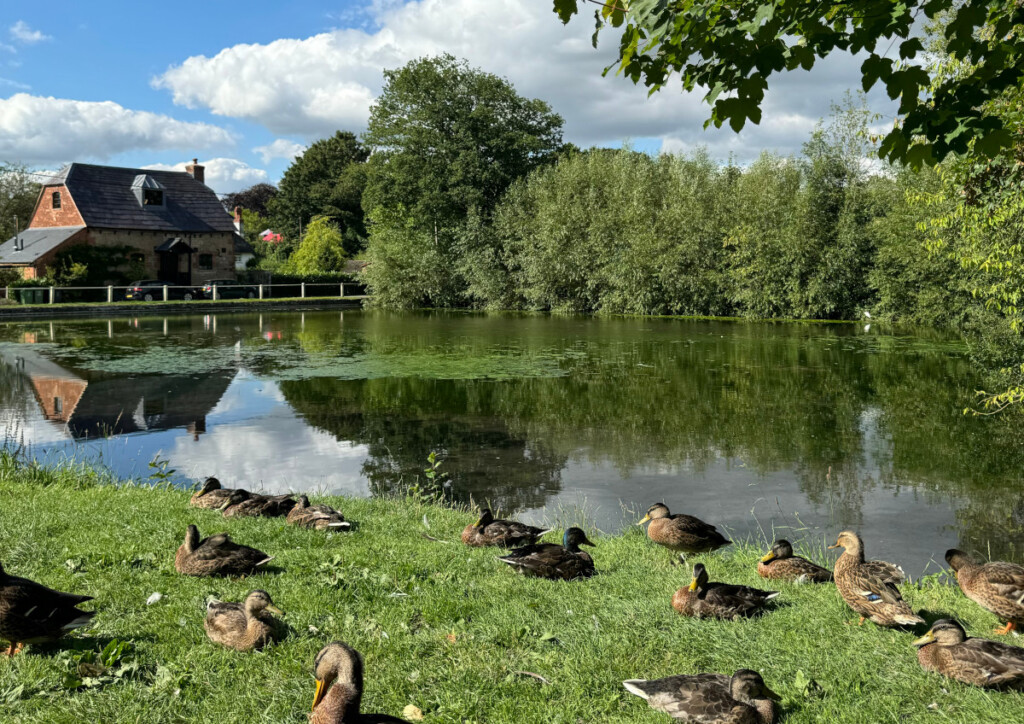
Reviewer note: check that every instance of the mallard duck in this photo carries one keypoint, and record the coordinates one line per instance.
(242, 503)
(489, 531)
(320, 517)
(869, 587)
(217, 555)
(780, 564)
(703, 599)
(997, 587)
(211, 495)
(548, 560)
(338, 670)
(742, 698)
(681, 532)
(990, 664)
(243, 626)
(31, 613)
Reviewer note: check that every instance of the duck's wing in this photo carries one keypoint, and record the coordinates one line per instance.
(876, 581)
(223, 617)
(1007, 579)
(216, 546)
(700, 698)
(692, 524)
(730, 596)
(23, 595)
(999, 663)
(883, 571)
(542, 550)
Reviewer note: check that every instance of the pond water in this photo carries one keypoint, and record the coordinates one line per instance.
(796, 430)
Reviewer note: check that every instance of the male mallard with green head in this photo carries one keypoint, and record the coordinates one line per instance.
(704, 599)
(997, 587)
(681, 532)
(743, 698)
(558, 562)
(947, 649)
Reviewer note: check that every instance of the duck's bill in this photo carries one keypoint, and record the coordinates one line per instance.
(768, 558)
(320, 691)
(646, 518)
(588, 542)
(479, 523)
(693, 585)
(275, 609)
(928, 638)
(836, 545)
(771, 694)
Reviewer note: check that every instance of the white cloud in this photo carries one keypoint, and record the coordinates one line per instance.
(311, 87)
(47, 130)
(280, 148)
(21, 32)
(223, 175)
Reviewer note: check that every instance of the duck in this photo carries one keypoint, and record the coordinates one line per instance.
(211, 494)
(243, 626)
(703, 599)
(781, 565)
(489, 531)
(682, 532)
(558, 562)
(998, 587)
(242, 503)
(947, 649)
(31, 613)
(320, 517)
(217, 555)
(870, 587)
(338, 670)
(742, 698)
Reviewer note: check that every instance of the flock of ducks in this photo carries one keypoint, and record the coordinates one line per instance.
(32, 613)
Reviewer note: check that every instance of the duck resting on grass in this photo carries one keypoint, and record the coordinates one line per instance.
(564, 562)
(703, 599)
(338, 670)
(319, 517)
(489, 531)
(243, 626)
(743, 698)
(217, 555)
(997, 587)
(781, 565)
(947, 649)
(31, 613)
(869, 587)
(682, 532)
(211, 495)
(242, 503)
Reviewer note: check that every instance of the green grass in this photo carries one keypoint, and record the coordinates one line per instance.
(441, 626)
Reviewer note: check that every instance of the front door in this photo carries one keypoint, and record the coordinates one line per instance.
(168, 267)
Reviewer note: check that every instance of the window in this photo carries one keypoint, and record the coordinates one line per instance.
(58, 405)
(206, 261)
(152, 197)
(56, 199)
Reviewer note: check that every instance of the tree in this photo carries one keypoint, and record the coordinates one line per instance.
(326, 180)
(321, 250)
(18, 193)
(255, 198)
(731, 49)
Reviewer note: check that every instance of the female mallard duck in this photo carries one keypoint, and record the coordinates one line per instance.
(989, 664)
(869, 587)
(780, 564)
(681, 532)
(742, 698)
(211, 495)
(703, 599)
(31, 613)
(489, 531)
(338, 670)
(242, 503)
(558, 562)
(320, 517)
(243, 626)
(997, 587)
(217, 555)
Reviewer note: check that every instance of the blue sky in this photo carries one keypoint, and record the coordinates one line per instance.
(245, 87)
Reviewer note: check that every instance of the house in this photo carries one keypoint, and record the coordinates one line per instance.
(173, 226)
(244, 252)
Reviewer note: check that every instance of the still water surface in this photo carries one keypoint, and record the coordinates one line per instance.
(765, 429)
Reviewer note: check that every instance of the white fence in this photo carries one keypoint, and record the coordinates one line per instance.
(174, 292)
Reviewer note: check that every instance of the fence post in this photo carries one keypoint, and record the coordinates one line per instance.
(110, 294)
(341, 292)
(7, 292)
(302, 290)
(261, 291)
(215, 295)
(165, 292)
(52, 294)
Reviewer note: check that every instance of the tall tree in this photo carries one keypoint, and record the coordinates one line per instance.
(255, 198)
(18, 193)
(320, 251)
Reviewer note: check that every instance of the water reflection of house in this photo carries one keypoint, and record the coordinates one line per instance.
(94, 404)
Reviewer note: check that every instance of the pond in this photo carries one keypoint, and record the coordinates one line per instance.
(795, 430)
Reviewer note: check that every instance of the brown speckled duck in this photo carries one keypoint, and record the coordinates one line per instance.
(242, 503)
(869, 587)
(703, 599)
(211, 495)
(217, 555)
(780, 564)
(338, 670)
(681, 532)
(488, 531)
(243, 626)
(989, 664)
(997, 587)
(31, 613)
(558, 562)
(318, 517)
(742, 698)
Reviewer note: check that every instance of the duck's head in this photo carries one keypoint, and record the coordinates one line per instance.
(235, 498)
(658, 510)
(486, 518)
(944, 632)
(303, 502)
(780, 549)
(573, 538)
(209, 484)
(700, 577)
(850, 541)
(338, 662)
(747, 685)
(258, 601)
(957, 559)
(191, 537)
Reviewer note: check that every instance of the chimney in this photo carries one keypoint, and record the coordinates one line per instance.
(238, 221)
(197, 171)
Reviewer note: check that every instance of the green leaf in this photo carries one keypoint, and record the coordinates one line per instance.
(565, 9)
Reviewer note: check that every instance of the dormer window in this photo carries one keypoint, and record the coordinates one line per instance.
(152, 197)
(148, 191)
(55, 199)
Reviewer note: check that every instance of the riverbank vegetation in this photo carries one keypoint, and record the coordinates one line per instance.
(443, 628)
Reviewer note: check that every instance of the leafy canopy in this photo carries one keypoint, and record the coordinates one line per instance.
(731, 48)
(321, 250)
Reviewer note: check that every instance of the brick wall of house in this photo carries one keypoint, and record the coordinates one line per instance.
(66, 215)
(58, 396)
(219, 245)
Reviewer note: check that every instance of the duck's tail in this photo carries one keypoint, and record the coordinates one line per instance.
(772, 594)
(634, 686)
(83, 619)
(905, 619)
(343, 525)
(265, 561)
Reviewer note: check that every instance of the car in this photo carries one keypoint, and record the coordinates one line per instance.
(229, 289)
(152, 290)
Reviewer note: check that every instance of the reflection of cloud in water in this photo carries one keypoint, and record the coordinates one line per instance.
(276, 439)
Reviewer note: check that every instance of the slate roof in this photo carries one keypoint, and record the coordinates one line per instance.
(242, 246)
(105, 198)
(37, 241)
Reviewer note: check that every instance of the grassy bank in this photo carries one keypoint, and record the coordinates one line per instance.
(442, 627)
